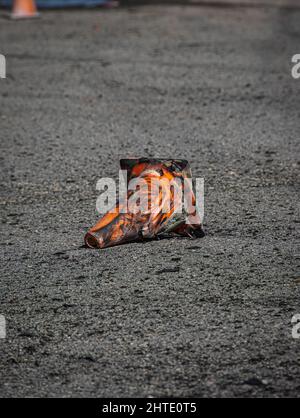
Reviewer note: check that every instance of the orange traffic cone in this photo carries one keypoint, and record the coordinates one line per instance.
(24, 9)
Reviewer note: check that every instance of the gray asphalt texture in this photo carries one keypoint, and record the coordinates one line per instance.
(175, 317)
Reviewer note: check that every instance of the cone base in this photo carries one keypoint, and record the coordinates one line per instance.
(20, 16)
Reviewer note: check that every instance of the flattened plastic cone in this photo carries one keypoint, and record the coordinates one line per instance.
(119, 227)
(24, 9)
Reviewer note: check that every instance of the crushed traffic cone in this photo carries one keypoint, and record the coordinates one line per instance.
(24, 9)
(159, 211)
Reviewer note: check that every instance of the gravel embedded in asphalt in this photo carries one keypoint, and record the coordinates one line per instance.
(208, 317)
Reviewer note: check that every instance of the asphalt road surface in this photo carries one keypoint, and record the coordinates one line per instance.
(178, 317)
